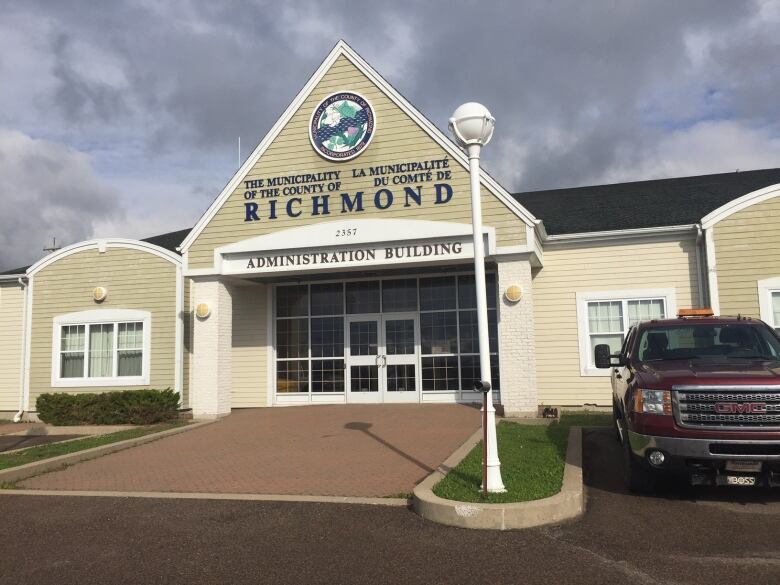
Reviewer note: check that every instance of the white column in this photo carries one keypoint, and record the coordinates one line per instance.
(517, 359)
(212, 355)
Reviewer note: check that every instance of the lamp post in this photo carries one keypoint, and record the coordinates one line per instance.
(473, 126)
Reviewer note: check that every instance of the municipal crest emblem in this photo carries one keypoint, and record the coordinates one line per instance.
(342, 126)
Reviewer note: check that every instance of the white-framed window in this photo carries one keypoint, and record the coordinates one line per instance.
(769, 301)
(105, 347)
(606, 317)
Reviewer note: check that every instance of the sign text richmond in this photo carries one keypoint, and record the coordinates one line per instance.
(404, 184)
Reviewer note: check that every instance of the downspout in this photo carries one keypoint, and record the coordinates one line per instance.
(18, 415)
(700, 280)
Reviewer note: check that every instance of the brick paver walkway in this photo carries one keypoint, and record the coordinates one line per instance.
(345, 450)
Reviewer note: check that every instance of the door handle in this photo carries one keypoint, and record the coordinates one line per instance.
(384, 361)
(376, 361)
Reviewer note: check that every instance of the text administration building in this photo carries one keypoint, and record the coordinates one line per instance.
(335, 267)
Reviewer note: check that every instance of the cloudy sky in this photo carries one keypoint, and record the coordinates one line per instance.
(122, 119)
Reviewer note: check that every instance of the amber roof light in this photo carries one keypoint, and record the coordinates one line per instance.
(682, 313)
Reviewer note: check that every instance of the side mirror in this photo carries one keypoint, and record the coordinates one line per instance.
(603, 356)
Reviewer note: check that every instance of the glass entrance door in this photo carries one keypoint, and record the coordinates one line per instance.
(401, 343)
(382, 358)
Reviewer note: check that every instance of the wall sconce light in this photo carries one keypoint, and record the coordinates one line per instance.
(513, 293)
(99, 293)
(202, 311)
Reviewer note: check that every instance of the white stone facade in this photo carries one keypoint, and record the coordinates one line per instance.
(516, 339)
(212, 355)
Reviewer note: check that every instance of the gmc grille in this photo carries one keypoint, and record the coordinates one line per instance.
(730, 408)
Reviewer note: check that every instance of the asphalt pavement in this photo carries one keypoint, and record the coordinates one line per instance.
(683, 536)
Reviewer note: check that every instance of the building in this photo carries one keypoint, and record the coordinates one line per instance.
(336, 267)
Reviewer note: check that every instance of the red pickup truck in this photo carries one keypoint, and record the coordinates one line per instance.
(697, 397)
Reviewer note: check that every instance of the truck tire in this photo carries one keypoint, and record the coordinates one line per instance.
(639, 478)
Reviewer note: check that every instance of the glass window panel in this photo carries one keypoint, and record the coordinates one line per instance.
(130, 335)
(327, 375)
(292, 301)
(776, 308)
(101, 350)
(399, 336)
(470, 372)
(327, 336)
(72, 337)
(439, 332)
(129, 362)
(467, 291)
(437, 293)
(614, 341)
(364, 379)
(644, 310)
(292, 376)
(401, 378)
(327, 299)
(363, 338)
(399, 295)
(605, 317)
(72, 365)
(292, 338)
(440, 373)
(363, 297)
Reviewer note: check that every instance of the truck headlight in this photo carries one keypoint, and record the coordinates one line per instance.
(653, 401)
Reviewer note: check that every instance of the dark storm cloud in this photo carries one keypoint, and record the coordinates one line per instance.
(583, 91)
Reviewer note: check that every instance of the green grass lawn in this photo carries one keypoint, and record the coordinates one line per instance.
(532, 461)
(54, 449)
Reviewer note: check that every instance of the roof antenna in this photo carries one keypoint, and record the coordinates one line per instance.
(53, 247)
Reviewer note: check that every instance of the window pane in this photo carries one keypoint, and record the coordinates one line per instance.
(292, 301)
(72, 365)
(644, 310)
(467, 291)
(363, 338)
(130, 335)
(469, 336)
(327, 336)
(292, 376)
(327, 299)
(401, 378)
(327, 375)
(101, 350)
(439, 332)
(129, 362)
(399, 295)
(440, 373)
(776, 308)
(470, 372)
(364, 379)
(363, 297)
(437, 293)
(292, 338)
(399, 337)
(72, 337)
(615, 342)
(605, 317)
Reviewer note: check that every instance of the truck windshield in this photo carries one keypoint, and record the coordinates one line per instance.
(706, 341)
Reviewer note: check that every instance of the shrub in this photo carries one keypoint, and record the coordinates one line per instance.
(137, 407)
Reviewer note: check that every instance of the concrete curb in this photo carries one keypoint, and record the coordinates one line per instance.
(393, 502)
(14, 474)
(46, 430)
(567, 504)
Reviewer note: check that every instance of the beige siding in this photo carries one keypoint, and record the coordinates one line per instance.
(397, 139)
(669, 263)
(134, 279)
(250, 346)
(747, 249)
(11, 343)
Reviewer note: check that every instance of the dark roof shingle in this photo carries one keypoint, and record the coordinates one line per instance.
(641, 204)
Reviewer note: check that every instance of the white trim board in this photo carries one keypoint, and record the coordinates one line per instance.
(343, 49)
(102, 246)
(739, 204)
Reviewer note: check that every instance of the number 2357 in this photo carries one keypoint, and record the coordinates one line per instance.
(346, 232)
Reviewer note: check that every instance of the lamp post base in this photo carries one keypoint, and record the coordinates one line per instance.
(495, 484)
